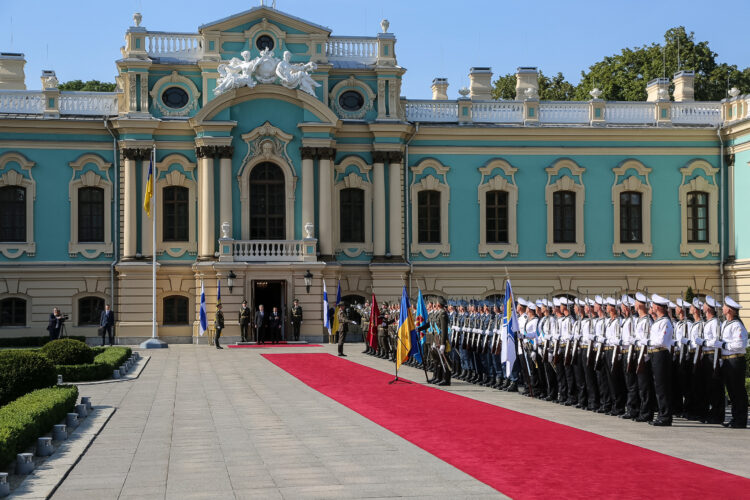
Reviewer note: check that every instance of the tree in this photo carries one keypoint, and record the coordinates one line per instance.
(89, 86)
(556, 88)
(689, 294)
(623, 77)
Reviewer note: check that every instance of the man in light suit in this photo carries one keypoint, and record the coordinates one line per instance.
(260, 324)
(106, 324)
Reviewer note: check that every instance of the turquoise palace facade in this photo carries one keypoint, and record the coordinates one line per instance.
(270, 186)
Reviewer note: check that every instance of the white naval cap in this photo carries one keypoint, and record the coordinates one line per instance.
(659, 300)
(556, 301)
(672, 305)
(626, 300)
(697, 303)
(711, 302)
(531, 306)
(522, 301)
(610, 301)
(540, 303)
(641, 298)
(599, 300)
(730, 302)
(680, 303)
(590, 302)
(580, 302)
(563, 301)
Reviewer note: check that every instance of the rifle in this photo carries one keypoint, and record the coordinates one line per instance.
(499, 334)
(616, 348)
(717, 351)
(642, 352)
(576, 339)
(464, 332)
(629, 366)
(698, 356)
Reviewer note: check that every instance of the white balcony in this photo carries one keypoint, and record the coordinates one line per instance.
(497, 112)
(431, 111)
(180, 46)
(564, 112)
(267, 250)
(22, 102)
(88, 103)
(357, 49)
(695, 113)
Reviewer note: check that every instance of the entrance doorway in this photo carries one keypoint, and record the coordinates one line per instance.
(271, 293)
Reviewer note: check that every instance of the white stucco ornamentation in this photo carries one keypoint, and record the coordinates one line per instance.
(265, 69)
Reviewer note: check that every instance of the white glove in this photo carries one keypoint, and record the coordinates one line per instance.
(684, 341)
(442, 349)
(698, 342)
(717, 343)
(433, 345)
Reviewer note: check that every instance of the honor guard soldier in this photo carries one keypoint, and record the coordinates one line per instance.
(588, 346)
(711, 344)
(629, 353)
(734, 363)
(643, 369)
(244, 320)
(680, 367)
(697, 389)
(441, 346)
(615, 379)
(565, 369)
(605, 395)
(659, 342)
(577, 358)
(218, 325)
(530, 335)
(295, 318)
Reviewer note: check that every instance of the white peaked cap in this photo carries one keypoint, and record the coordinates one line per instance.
(730, 302)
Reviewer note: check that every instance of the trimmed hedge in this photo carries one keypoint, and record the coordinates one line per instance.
(106, 360)
(24, 420)
(68, 352)
(31, 341)
(22, 371)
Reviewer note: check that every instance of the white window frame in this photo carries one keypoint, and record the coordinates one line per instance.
(498, 183)
(353, 180)
(14, 249)
(699, 183)
(566, 183)
(174, 177)
(632, 183)
(21, 296)
(100, 179)
(430, 183)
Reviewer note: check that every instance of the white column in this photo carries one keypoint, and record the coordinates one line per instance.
(394, 206)
(146, 229)
(325, 209)
(378, 205)
(206, 180)
(225, 189)
(129, 233)
(308, 189)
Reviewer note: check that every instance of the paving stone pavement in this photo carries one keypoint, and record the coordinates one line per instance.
(206, 423)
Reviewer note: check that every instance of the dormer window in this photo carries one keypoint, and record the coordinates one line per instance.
(175, 97)
(264, 42)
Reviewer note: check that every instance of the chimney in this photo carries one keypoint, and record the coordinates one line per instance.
(658, 90)
(480, 84)
(527, 83)
(49, 79)
(684, 90)
(12, 76)
(440, 89)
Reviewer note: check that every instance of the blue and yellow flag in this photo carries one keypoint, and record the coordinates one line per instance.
(149, 189)
(406, 329)
(510, 321)
(335, 319)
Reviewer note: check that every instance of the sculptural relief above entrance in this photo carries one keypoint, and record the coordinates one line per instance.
(266, 69)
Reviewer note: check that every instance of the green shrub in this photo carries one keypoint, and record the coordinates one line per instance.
(747, 363)
(106, 360)
(22, 372)
(68, 352)
(30, 341)
(30, 416)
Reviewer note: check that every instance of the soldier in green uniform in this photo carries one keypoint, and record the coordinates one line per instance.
(244, 320)
(218, 325)
(296, 318)
(441, 345)
(343, 326)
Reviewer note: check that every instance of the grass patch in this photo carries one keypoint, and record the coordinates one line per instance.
(30, 416)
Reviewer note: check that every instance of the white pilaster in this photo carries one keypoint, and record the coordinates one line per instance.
(129, 237)
(325, 209)
(308, 191)
(378, 213)
(225, 188)
(206, 179)
(394, 206)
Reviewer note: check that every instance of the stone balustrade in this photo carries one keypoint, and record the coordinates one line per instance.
(88, 103)
(182, 46)
(431, 111)
(497, 112)
(564, 112)
(267, 250)
(359, 49)
(26, 102)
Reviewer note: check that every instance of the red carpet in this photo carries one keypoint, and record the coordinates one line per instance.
(268, 346)
(519, 455)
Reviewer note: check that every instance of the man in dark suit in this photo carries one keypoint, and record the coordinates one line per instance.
(55, 324)
(274, 325)
(106, 323)
(260, 324)
(244, 320)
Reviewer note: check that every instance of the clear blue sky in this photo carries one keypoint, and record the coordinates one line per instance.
(81, 39)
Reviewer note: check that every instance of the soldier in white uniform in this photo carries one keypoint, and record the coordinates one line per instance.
(659, 341)
(577, 359)
(698, 409)
(627, 332)
(566, 370)
(615, 379)
(530, 335)
(548, 329)
(680, 370)
(588, 346)
(734, 346)
(605, 396)
(714, 386)
(645, 379)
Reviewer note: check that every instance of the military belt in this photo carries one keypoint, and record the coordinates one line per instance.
(731, 356)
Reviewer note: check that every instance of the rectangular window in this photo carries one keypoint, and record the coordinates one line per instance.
(175, 310)
(428, 216)
(352, 215)
(631, 217)
(13, 312)
(91, 215)
(564, 217)
(497, 217)
(175, 215)
(697, 217)
(12, 213)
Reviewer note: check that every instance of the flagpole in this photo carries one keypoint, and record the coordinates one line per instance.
(153, 247)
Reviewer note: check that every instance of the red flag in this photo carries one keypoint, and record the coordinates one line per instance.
(372, 331)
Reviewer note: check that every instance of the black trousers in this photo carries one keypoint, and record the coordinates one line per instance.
(605, 395)
(244, 328)
(295, 329)
(592, 384)
(570, 377)
(632, 400)
(714, 389)
(661, 367)
(551, 377)
(733, 372)
(260, 333)
(646, 391)
(217, 336)
(580, 377)
(562, 381)
(616, 383)
(108, 333)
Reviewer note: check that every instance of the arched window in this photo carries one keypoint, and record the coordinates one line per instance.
(267, 203)
(12, 312)
(353, 299)
(352, 215)
(90, 214)
(12, 213)
(697, 217)
(429, 216)
(497, 216)
(90, 310)
(631, 217)
(175, 310)
(175, 214)
(564, 213)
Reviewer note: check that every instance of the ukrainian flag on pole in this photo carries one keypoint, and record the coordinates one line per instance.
(149, 188)
(508, 350)
(335, 319)
(406, 328)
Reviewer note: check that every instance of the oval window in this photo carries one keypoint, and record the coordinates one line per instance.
(264, 42)
(175, 97)
(351, 100)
